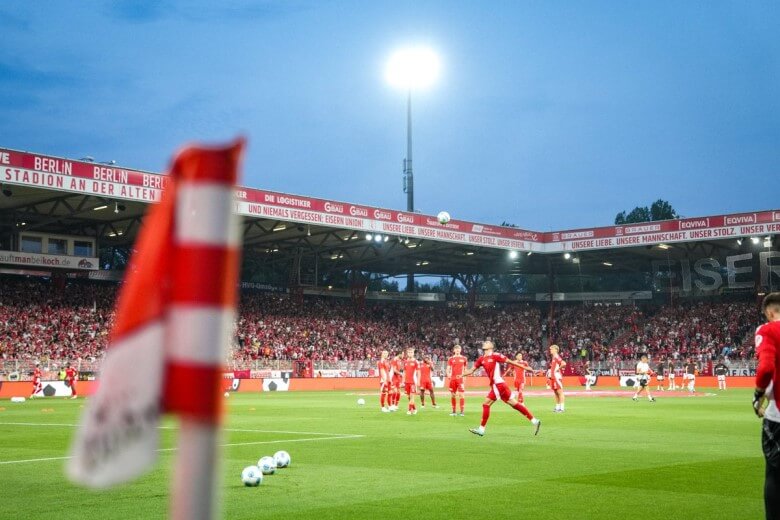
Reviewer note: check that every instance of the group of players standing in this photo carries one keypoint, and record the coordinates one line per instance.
(407, 373)
(71, 374)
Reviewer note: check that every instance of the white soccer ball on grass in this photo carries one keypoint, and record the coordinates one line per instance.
(267, 465)
(282, 459)
(361, 401)
(251, 476)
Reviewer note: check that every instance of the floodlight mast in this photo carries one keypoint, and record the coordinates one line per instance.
(414, 67)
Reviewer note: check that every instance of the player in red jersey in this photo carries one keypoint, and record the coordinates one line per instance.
(36, 379)
(519, 373)
(556, 377)
(455, 366)
(426, 382)
(768, 378)
(70, 378)
(383, 367)
(411, 380)
(396, 375)
(491, 362)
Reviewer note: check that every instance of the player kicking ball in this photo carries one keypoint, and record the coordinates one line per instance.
(491, 362)
(643, 374)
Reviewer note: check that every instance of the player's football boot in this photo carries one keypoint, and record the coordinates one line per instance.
(477, 431)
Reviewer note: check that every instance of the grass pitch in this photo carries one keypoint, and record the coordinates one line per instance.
(604, 458)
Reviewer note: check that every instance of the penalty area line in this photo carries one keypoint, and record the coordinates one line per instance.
(228, 445)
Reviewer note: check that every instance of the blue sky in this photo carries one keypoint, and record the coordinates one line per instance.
(548, 114)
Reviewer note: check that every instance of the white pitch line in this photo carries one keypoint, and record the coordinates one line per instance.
(234, 430)
(287, 441)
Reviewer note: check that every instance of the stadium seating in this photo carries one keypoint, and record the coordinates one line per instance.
(38, 322)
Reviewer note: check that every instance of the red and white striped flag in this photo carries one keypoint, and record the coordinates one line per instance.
(175, 314)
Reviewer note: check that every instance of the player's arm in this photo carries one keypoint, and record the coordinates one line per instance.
(514, 363)
(448, 373)
(765, 370)
(469, 371)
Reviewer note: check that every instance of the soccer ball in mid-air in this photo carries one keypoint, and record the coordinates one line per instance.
(252, 476)
(282, 459)
(267, 465)
(361, 401)
(443, 217)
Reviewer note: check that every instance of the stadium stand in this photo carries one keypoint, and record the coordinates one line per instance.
(39, 322)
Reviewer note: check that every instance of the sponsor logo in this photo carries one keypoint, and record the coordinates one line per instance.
(573, 235)
(85, 264)
(740, 219)
(358, 212)
(382, 215)
(477, 228)
(403, 217)
(695, 223)
(775, 216)
(334, 208)
(556, 237)
(619, 231)
(647, 228)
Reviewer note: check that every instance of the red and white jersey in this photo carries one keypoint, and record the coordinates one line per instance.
(411, 368)
(457, 365)
(37, 375)
(492, 366)
(70, 374)
(555, 366)
(768, 370)
(397, 367)
(520, 372)
(383, 367)
(425, 374)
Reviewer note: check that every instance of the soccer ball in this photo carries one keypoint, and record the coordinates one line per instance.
(227, 394)
(443, 217)
(282, 459)
(361, 401)
(267, 465)
(252, 476)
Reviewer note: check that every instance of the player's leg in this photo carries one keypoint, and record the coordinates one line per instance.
(485, 414)
(433, 397)
(638, 391)
(74, 395)
(462, 400)
(520, 407)
(770, 443)
(453, 400)
(422, 397)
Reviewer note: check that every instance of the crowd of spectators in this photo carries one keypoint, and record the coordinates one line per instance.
(41, 322)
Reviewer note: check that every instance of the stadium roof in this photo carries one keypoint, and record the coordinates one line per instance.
(75, 197)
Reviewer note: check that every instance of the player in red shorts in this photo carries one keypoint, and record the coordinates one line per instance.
(383, 367)
(491, 362)
(396, 377)
(36, 379)
(519, 372)
(411, 380)
(556, 377)
(426, 382)
(70, 378)
(456, 364)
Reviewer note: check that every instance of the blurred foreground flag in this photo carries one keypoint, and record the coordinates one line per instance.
(175, 314)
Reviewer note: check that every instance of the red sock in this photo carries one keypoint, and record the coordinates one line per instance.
(453, 404)
(523, 410)
(382, 400)
(462, 404)
(485, 414)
